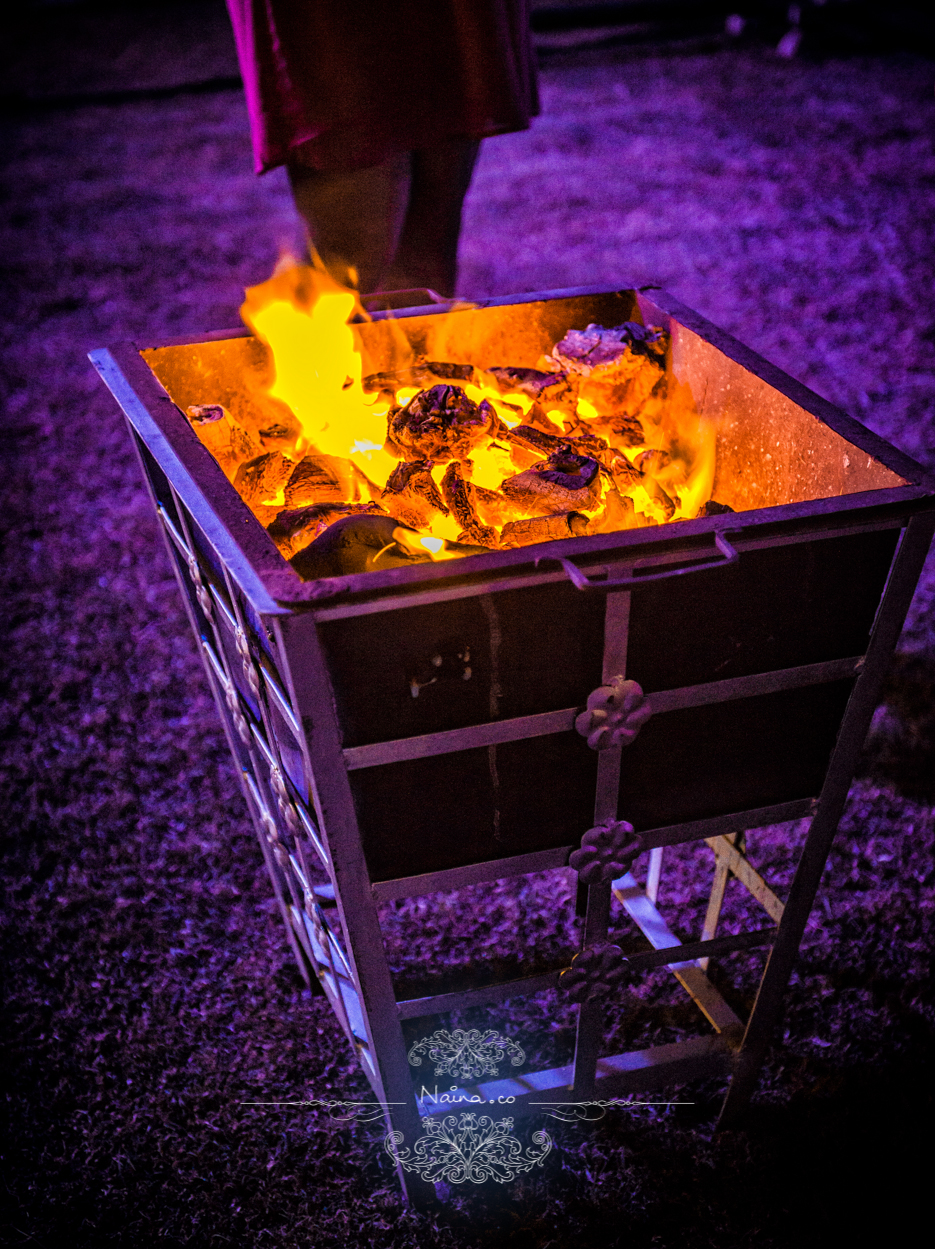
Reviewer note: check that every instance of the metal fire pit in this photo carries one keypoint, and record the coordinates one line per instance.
(761, 638)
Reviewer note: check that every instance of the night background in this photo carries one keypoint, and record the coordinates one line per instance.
(775, 171)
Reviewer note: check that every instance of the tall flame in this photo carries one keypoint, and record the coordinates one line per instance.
(302, 314)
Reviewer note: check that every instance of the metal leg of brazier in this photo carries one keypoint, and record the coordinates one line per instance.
(597, 916)
(904, 575)
(390, 1076)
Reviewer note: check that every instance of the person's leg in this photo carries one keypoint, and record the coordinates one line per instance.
(354, 218)
(428, 248)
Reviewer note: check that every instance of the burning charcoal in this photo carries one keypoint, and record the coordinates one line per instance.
(536, 418)
(529, 445)
(652, 461)
(277, 437)
(229, 443)
(491, 506)
(362, 543)
(440, 424)
(554, 389)
(450, 372)
(712, 508)
(562, 483)
(259, 481)
(457, 494)
(584, 441)
(535, 439)
(543, 529)
(294, 530)
(618, 513)
(583, 351)
(625, 473)
(655, 491)
(319, 479)
(412, 496)
(622, 430)
(618, 368)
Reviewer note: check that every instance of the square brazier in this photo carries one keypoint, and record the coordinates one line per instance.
(760, 636)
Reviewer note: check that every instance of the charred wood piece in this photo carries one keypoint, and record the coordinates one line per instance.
(412, 496)
(457, 494)
(321, 478)
(615, 714)
(713, 508)
(277, 437)
(440, 424)
(606, 852)
(355, 544)
(565, 482)
(259, 481)
(543, 529)
(294, 530)
(491, 506)
(535, 440)
(422, 374)
(594, 974)
(532, 382)
(227, 440)
(583, 441)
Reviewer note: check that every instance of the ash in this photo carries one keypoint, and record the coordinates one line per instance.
(148, 987)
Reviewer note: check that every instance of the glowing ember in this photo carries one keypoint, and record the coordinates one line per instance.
(436, 460)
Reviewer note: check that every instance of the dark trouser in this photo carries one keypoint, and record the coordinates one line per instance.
(392, 226)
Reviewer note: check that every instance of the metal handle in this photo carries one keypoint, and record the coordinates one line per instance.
(582, 582)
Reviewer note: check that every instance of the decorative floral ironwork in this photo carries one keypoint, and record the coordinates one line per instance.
(466, 1055)
(251, 676)
(201, 594)
(594, 973)
(607, 851)
(233, 706)
(615, 714)
(287, 810)
(273, 840)
(468, 1147)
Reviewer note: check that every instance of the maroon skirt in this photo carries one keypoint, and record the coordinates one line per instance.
(343, 84)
